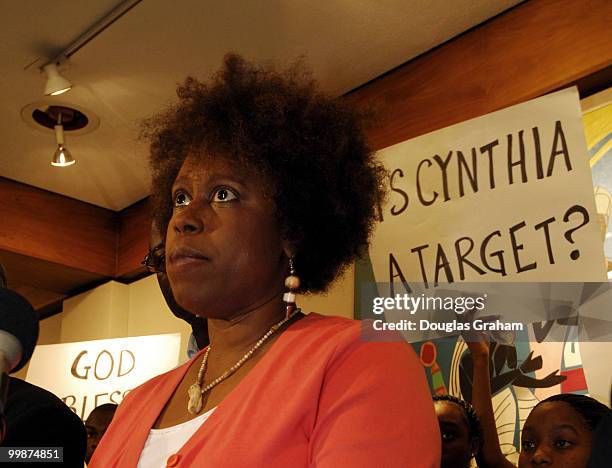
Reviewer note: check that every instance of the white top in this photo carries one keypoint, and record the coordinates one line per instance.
(162, 443)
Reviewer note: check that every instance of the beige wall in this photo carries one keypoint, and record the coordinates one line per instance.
(49, 333)
(96, 314)
(116, 310)
(338, 301)
(149, 314)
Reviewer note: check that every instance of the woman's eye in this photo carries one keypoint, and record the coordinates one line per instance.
(181, 199)
(447, 436)
(528, 445)
(561, 443)
(223, 195)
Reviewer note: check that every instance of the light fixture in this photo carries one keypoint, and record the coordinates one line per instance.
(61, 157)
(56, 83)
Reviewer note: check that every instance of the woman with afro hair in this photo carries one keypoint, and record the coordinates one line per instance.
(264, 188)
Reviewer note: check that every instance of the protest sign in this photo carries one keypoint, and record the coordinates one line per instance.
(504, 197)
(87, 374)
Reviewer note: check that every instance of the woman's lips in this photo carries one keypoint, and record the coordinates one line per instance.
(185, 257)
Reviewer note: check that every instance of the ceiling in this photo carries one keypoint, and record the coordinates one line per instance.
(130, 70)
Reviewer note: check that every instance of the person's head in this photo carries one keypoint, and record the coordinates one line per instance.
(96, 424)
(559, 431)
(156, 261)
(460, 430)
(251, 169)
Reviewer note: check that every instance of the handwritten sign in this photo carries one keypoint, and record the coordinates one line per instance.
(506, 196)
(90, 373)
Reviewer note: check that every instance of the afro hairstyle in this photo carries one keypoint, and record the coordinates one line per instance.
(310, 149)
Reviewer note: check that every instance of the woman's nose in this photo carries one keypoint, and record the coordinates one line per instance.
(189, 219)
(542, 457)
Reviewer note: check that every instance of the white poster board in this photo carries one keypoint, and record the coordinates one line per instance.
(504, 197)
(90, 373)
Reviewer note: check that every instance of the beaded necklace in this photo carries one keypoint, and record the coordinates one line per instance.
(195, 392)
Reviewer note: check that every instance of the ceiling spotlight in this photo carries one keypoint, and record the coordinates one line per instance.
(56, 83)
(61, 157)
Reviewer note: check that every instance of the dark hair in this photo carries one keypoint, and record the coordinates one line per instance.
(106, 408)
(311, 148)
(2, 277)
(471, 417)
(591, 410)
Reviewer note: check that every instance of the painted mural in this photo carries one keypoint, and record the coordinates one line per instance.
(521, 374)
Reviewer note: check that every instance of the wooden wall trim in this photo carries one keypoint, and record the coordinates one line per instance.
(133, 243)
(54, 228)
(537, 47)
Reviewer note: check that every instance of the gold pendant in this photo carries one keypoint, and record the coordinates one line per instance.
(195, 399)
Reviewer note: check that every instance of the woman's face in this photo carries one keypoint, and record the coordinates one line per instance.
(555, 435)
(457, 448)
(224, 252)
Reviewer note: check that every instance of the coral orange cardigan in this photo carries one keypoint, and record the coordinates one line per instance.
(322, 396)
